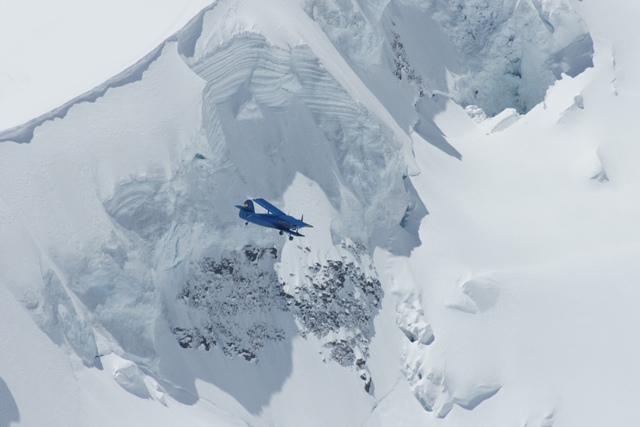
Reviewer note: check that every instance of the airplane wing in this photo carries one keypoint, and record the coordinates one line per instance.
(298, 223)
(268, 206)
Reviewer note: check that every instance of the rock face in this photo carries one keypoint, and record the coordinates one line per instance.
(339, 301)
(229, 301)
(236, 302)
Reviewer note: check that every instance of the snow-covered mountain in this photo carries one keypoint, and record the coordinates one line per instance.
(470, 171)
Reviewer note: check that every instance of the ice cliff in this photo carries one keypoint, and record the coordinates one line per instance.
(492, 53)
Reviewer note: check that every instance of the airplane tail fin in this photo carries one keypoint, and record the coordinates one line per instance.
(305, 224)
(247, 206)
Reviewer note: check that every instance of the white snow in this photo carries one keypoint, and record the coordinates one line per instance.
(502, 225)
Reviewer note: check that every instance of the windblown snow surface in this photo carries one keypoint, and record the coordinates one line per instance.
(471, 172)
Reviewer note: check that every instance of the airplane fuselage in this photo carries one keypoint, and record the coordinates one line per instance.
(275, 218)
(265, 220)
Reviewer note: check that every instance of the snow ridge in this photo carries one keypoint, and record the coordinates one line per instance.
(187, 37)
(23, 134)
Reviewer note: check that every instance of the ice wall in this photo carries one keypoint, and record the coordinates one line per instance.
(496, 54)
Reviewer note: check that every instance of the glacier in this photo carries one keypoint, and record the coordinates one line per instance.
(469, 171)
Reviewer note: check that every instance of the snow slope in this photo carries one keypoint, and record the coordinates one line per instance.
(467, 266)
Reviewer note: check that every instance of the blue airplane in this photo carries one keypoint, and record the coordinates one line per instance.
(274, 218)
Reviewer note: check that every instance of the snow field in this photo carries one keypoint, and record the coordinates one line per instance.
(530, 278)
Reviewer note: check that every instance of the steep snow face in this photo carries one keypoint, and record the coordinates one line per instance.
(271, 114)
(141, 255)
(484, 308)
(492, 53)
(267, 114)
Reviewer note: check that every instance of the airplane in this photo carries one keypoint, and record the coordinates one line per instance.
(274, 218)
